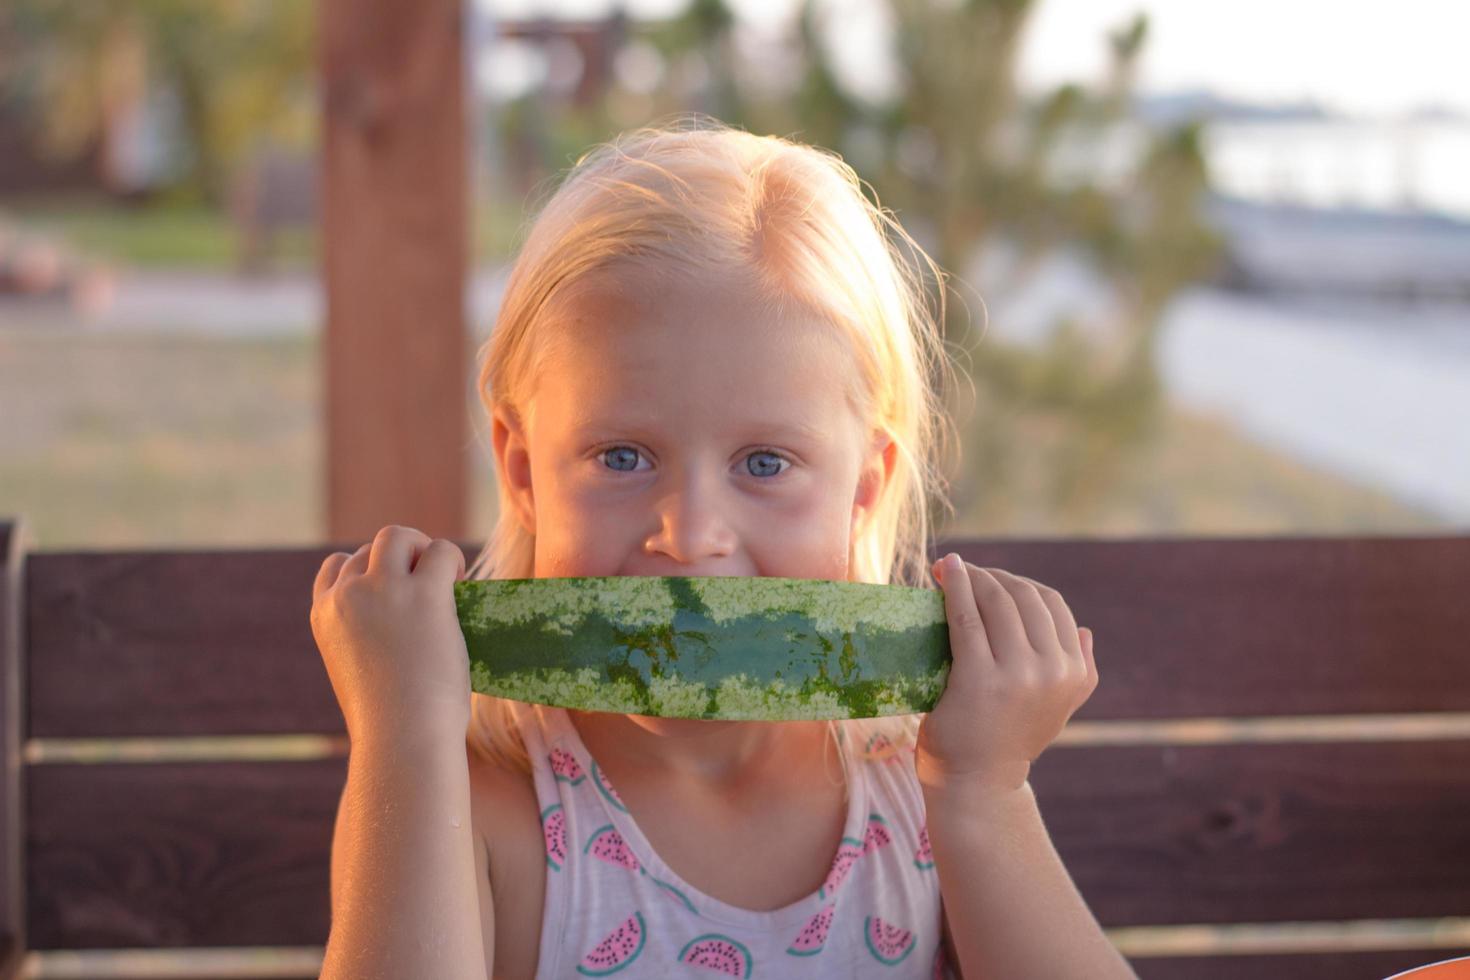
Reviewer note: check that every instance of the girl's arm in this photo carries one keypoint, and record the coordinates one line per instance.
(1013, 910)
(404, 897)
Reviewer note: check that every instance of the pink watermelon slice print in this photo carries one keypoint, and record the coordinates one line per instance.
(554, 824)
(880, 746)
(608, 845)
(813, 935)
(924, 857)
(888, 943)
(620, 948)
(718, 953)
(877, 834)
(848, 851)
(565, 766)
(599, 779)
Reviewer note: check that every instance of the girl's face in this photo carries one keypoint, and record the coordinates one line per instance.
(679, 432)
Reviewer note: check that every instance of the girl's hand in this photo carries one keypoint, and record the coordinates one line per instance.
(386, 624)
(1021, 668)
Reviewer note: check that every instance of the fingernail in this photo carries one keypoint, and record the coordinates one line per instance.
(952, 561)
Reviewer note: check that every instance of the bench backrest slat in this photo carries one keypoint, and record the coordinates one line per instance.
(157, 643)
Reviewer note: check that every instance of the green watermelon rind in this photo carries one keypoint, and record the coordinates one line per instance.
(733, 648)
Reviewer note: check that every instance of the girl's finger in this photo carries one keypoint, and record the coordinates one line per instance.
(1065, 624)
(357, 562)
(326, 576)
(1089, 669)
(1041, 630)
(966, 627)
(1000, 612)
(394, 548)
(441, 560)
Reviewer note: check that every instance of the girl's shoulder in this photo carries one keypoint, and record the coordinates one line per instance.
(502, 790)
(506, 822)
(503, 808)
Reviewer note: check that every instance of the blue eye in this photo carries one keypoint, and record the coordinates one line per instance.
(624, 459)
(773, 456)
(625, 454)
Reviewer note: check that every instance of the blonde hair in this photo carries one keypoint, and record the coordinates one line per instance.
(697, 195)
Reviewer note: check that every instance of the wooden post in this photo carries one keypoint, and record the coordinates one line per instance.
(394, 254)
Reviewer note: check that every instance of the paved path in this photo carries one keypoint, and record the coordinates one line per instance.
(214, 304)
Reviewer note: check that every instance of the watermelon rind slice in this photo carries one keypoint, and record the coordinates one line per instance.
(715, 647)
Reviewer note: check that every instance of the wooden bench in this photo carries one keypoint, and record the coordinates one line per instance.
(1324, 834)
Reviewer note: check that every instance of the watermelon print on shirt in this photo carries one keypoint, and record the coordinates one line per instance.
(613, 908)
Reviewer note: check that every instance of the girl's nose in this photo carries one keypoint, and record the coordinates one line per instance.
(692, 524)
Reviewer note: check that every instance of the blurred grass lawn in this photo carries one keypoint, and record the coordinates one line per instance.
(194, 237)
(154, 441)
(177, 236)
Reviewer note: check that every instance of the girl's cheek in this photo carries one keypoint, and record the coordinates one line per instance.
(817, 546)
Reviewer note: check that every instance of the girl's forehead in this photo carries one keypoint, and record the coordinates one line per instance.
(761, 385)
(691, 327)
(693, 347)
(628, 294)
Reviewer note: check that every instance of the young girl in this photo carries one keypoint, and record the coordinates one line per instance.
(711, 358)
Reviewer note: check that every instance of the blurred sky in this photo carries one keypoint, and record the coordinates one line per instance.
(1362, 57)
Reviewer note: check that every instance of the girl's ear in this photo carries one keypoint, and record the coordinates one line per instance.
(513, 463)
(872, 478)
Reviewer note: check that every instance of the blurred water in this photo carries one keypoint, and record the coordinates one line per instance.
(1327, 163)
(1377, 392)
(1407, 166)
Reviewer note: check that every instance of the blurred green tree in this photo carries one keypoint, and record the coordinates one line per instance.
(239, 70)
(968, 166)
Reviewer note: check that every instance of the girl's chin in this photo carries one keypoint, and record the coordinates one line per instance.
(678, 726)
(695, 727)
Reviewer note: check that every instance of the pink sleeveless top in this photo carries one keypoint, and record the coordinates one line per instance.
(613, 906)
